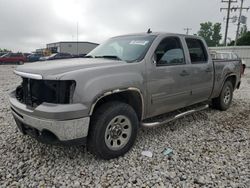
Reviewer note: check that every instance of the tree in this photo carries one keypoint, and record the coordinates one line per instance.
(243, 30)
(4, 50)
(243, 37)
(216, 37)
(244, 40)
(206, 32)
(211, 33)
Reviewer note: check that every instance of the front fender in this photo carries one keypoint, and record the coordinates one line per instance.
(91, 84)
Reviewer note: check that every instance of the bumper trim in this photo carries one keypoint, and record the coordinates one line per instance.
(64, 130)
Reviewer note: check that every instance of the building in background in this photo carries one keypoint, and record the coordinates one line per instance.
(43, 51)
(72, 47)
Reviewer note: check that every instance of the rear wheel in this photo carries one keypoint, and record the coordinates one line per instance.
(113, 130)
(223, 102)
(20, 62)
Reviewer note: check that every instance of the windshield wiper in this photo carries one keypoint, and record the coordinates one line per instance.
(109, 57)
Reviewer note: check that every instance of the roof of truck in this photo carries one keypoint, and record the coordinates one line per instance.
(158, 34)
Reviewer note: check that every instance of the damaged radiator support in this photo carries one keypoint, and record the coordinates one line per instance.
(33, 92)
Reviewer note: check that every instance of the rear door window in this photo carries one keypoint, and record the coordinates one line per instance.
(197, 50)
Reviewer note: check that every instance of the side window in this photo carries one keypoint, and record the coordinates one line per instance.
(13, 55)
(197, 50)
(169, 52)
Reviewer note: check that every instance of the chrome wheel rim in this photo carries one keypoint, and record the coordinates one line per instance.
(227, 95)
(118, 132)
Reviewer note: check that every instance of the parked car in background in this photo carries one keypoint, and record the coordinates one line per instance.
(17, 58)
(79, 56)
(56, 56)
(217, 55)
(3, 53)
(26, 54)
(34, 57)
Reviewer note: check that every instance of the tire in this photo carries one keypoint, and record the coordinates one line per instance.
(20, 63)
(113, 130)
(224, 100)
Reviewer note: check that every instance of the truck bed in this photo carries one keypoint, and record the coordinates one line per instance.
(223, 68)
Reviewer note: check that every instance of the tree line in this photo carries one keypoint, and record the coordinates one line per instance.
(4, 50)
(212, 35)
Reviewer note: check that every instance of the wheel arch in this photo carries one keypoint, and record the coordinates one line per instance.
(132, 96)
(232, 78)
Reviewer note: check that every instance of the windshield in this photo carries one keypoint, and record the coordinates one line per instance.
(6, 55)
(126, 48)
(52, 55)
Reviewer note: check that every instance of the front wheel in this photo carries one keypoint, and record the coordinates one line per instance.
(113, 130)
(223, 102)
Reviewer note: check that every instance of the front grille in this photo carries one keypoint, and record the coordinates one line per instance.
(34, 92)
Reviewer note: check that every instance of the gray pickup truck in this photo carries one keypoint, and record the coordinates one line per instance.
(127, 82)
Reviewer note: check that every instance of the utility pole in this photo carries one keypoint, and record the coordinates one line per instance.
(187, 30)
(239, 19)
(229, 2)
(77, 39)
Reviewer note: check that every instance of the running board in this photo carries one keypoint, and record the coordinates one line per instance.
(168, 119)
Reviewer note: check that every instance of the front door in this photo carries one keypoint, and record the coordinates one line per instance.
(168, 78)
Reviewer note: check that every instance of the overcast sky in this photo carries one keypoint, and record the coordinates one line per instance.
(30, 24)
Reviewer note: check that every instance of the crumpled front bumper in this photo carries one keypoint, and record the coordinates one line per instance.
(51, 123)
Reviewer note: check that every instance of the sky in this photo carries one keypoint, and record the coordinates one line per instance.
(30, 24)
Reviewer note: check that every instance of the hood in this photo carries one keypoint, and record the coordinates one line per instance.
(47, 68)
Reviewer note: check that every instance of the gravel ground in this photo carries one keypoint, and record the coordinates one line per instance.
(210, 149)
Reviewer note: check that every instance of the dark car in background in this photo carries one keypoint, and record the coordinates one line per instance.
(79, 56)
(17, 58)
(34, 57)
(56, 56)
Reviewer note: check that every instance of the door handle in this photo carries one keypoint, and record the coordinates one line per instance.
(184, 73)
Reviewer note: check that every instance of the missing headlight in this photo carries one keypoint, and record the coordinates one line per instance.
(34, 92)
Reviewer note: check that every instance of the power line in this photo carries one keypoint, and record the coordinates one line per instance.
(229, 2)
(241, 8)
(187, 30)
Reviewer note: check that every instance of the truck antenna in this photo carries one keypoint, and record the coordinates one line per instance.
(149, 31)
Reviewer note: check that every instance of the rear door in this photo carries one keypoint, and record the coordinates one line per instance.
(168, 77)
(201, 77)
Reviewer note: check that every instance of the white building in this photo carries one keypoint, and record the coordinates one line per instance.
(74, 48)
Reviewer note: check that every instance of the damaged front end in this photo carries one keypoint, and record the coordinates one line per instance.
(33, 92)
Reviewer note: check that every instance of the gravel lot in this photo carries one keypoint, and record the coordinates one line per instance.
(211, 149)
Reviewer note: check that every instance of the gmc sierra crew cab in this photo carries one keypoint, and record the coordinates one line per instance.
(127, 82)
